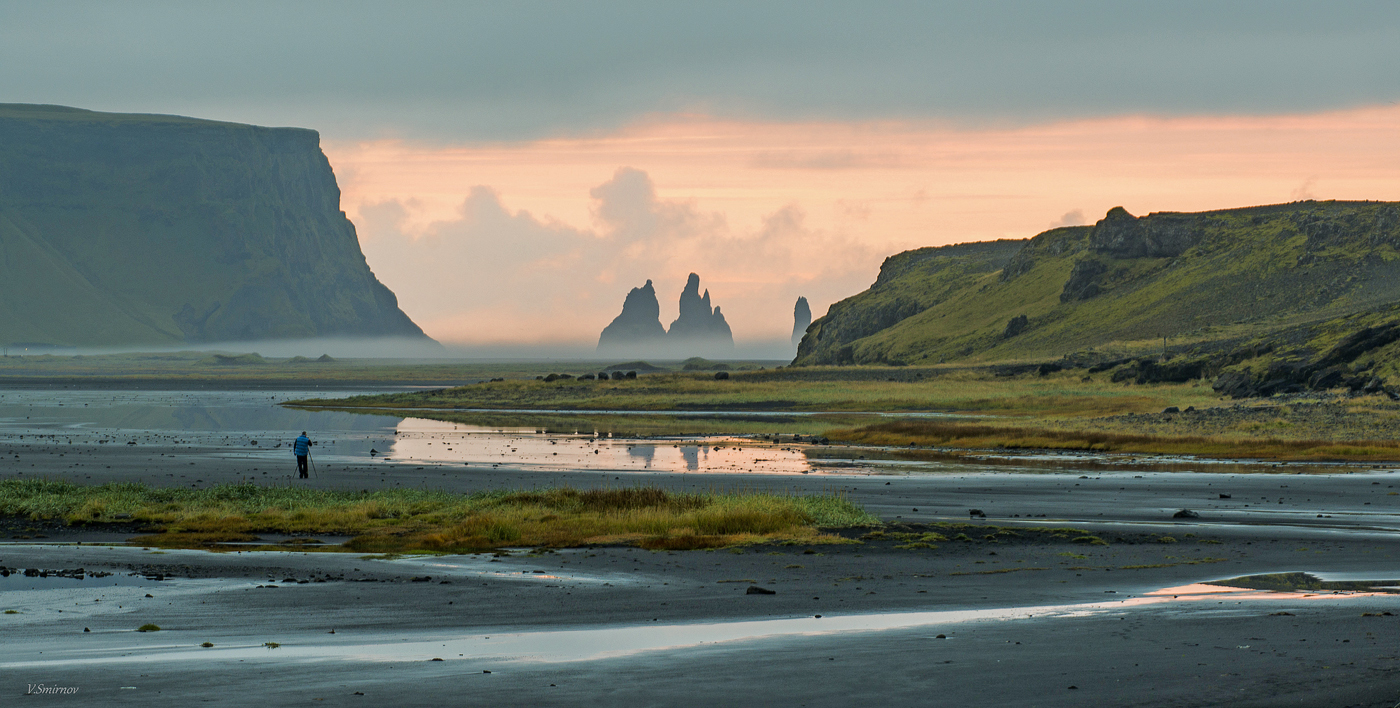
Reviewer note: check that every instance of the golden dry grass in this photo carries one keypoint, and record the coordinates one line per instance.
(419, 520)
(973, 436)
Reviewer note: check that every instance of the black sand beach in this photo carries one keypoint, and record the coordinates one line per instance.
(1025, 618)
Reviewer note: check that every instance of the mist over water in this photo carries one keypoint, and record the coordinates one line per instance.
(777, 351)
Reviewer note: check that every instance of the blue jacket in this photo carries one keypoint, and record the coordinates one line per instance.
(301, 446)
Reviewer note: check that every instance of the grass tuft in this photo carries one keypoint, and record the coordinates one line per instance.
(403, 520)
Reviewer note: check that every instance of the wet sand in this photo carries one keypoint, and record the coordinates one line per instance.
(608, 626)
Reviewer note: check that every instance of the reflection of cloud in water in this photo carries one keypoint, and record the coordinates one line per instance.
(647, 453)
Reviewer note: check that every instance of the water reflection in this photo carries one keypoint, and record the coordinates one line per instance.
(596, 643)
(645, 453)
(420, 440)
(254, 425)
(691, 455)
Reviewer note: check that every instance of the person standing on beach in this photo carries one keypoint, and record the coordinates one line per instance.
(301, 448)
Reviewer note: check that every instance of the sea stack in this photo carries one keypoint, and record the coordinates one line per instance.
(699, 326)
(801, 320)
(639, 324)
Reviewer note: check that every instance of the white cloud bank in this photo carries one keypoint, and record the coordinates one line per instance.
(493, 276)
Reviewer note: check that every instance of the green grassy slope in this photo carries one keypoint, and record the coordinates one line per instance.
(909, 283)
(131, 229)
(1119, 287)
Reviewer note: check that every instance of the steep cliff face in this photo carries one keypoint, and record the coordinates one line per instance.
(137, 229)
(639, 323)
(1200, 279)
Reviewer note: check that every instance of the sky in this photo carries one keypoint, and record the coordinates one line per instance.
(513, 169)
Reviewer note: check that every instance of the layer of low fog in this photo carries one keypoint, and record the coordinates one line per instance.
(418, 349)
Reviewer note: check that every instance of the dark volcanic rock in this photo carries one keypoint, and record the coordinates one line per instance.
(1328, 371)
(1145, 371)
(1083, 281)
(801, 319)
(699, 324)
(1235, 384)
(1123, 235)
(1014, 326)
(639, 322)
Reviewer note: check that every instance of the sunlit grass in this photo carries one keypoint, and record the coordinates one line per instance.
(423, 520)
(972, 436)
(809, 389)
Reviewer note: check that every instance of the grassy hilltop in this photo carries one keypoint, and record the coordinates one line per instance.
(1235, 290)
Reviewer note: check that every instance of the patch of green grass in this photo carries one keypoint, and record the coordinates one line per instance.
(397, 521)
(995, 572)
(806, 389)
(1245, 277)
(11, 612)
(911, 541)
(1011, 437)
(1089, 540)
(148, 628)
(1286, 582)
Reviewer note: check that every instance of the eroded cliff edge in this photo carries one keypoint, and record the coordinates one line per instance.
(120, 229)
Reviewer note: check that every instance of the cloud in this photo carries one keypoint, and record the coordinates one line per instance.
(487, 71)
(1071, 218)
(492, 275)
(1304, 191)
(828, 160)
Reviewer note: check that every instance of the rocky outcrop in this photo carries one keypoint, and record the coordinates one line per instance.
(1083, 281)
(1332, 370)
(120, 230)
(801, 319)
(639, 324)
(1015, 326)
(699, 324)
(1123, 235)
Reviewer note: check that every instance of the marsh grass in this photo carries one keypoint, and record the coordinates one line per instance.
(396, 521)
(809, 389)
(974, 436)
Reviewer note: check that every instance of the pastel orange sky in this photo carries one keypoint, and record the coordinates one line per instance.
(767, 211)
